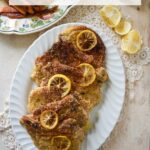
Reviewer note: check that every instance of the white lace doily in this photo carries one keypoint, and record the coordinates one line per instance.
(133, 68)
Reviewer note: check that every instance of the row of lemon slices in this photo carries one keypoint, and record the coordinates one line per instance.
(131, 39)
(49, 119)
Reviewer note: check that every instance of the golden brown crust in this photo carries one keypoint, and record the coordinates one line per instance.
(74, 28)
(41, 96)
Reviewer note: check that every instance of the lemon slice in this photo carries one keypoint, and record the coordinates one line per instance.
(111, 15)
(60, 142)
(132, 42)
(49, 119)
(89, 74)
(123, 27)
(61, 82)
(86, 40)
(102, 74)
(73, 37)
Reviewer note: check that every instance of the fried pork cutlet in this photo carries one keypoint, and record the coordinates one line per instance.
(63, 55)
(69, 128)
(98, 52)
(55, 67)
(91, 94)
(41, 96)
(73, 120)
(42, 73)
(66, 53)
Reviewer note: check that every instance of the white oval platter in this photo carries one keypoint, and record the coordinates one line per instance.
(113, 94)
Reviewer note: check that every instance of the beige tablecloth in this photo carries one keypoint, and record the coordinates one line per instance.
(133, 129)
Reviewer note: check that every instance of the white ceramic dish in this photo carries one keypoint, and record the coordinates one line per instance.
(113, 94)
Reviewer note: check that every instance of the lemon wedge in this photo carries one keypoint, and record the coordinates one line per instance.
(111, 15)
(123, 27)
(132, 42)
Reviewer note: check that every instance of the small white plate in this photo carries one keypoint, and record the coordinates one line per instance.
(113, 95)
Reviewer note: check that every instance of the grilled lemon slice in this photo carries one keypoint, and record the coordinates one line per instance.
(132, 42)
(73, 37)
(102, 74)
(123, 27)
(49, 119)
(61, 82)
(86, 40)
(60, 142)
(89, 74)
(111, 15)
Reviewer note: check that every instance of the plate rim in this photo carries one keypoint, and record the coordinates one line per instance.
(28, 50)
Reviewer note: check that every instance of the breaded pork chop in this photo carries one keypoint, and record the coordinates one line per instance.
(55, 67)
(69, 128)
(90, 94)
(98, 52)
(72, 121)
(61, 58)
(68, 107)
(41, 96)
(63, 55)
(42, 73)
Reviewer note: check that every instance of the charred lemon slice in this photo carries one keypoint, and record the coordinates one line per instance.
(86, 40)
(73, 37)
(132, 42)
(111, 16)
(61, 82)
(102, 74)
(60, 142)
(123, 27)
(89, 74)
(49, 119)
